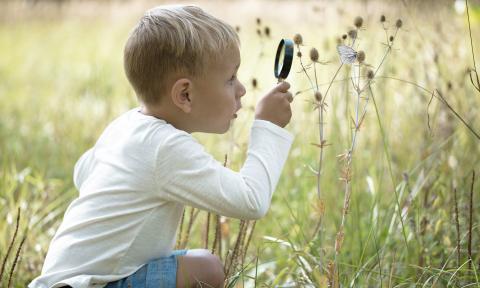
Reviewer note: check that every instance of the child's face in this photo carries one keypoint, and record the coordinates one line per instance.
(218, 94)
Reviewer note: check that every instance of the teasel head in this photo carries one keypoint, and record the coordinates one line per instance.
(314, 55)
(370, 74)
(267, 31)
(358, 22)
(361, 56)
(399, 23)
(352, 34)
(297, 39)
(254, 83)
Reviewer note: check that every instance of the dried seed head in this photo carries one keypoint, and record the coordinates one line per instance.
(318, 96)
(360, 56)
(314, 55)
(449, 85)
(370, 74)
(267, 31)
(352, 34)
(399, 23)
(382, 18)
(254, 83)
(237, 28)
(297, 39)
(344, 36)
(358, 22)
(259, 21)
(299, 54)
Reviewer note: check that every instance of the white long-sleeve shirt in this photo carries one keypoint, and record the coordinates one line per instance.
(133, 185)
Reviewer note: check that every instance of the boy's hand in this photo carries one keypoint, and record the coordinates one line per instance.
(275, 105)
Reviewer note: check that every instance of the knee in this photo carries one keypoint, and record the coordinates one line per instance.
(205, 268)
(217, 271)
(213, 269)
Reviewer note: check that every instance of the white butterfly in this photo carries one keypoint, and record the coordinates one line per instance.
(347, 54)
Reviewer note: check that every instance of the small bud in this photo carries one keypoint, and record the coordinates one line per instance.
(259, 32)
(297, 39)
(382, 18)
(344, 36)
(360, 56)
(314, 55)
(399, 23)
(370, 74)
(391, 38)
(318, 96)
(299, 54)
(254, 83)
(358, 22)
(259, 21)
(352, 34)
(267, 31)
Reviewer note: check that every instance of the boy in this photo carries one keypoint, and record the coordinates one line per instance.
(133, 184)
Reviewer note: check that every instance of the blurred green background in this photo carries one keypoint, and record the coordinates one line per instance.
(62, 82)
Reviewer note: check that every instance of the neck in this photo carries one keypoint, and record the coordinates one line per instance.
(162, 113)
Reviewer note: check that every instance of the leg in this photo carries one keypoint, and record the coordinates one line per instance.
(199, 268)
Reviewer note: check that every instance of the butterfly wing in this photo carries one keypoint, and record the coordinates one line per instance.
(347, 54)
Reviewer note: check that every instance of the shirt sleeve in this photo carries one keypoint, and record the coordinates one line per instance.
(82, 168)
(187, 174)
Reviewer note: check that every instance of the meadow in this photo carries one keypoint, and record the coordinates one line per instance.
(379, 189)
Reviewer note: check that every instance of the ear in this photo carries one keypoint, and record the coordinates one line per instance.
(181, 94)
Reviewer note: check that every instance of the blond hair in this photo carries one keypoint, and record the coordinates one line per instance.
(169, 40)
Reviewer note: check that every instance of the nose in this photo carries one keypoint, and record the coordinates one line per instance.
(241, 90)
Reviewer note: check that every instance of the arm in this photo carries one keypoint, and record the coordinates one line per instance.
(188, 175)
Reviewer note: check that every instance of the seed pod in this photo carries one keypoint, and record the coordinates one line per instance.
(370, 74)
(267, 31)
(297, 39)
(318, 96)
(382, 18)
(352, 34)
(358, 22)
(399, 23)
(314, 55)
(360, 56)
(391, 38)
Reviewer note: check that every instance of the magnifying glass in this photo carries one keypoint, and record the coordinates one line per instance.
(283, 59)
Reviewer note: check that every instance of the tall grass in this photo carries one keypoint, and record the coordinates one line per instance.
(412, 161)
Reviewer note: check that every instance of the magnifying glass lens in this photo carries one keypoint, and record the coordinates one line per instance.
(281, 58)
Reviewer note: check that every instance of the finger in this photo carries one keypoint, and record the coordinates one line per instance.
(283, 86)
(289, 97)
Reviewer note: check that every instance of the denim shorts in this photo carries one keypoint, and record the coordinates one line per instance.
(158, 273)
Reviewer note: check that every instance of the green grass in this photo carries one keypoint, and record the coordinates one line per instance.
(62, 82)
